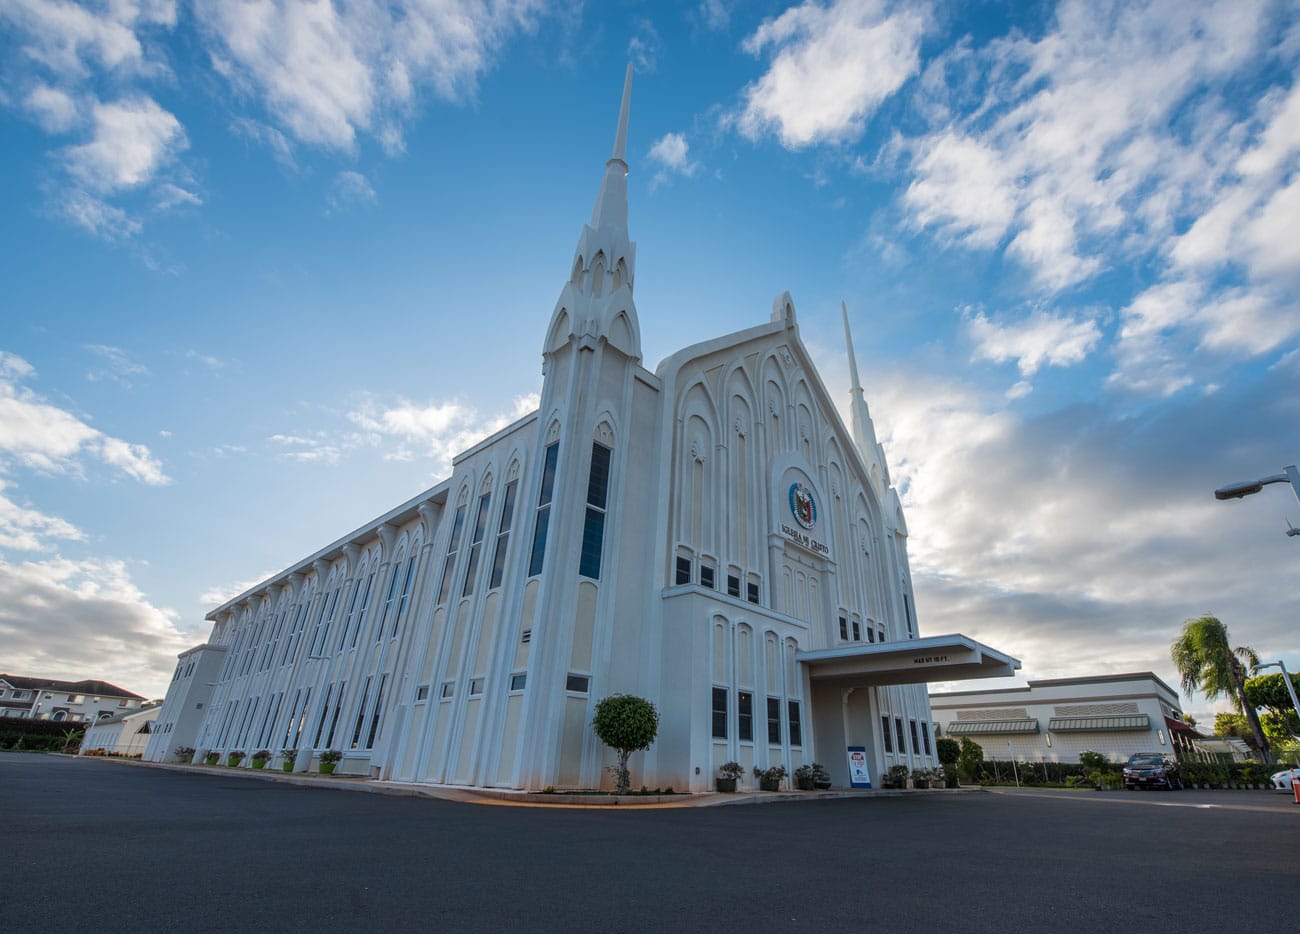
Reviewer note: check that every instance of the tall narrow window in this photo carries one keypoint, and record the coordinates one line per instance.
(390, 599)
(361, 713)
(844, 629)
(857, 631)
(745, 716)
(324, 713)
(907, 613)
(334, 716)
(364, 589)
(774, 720)
(925, 737)
(796, 726)
(544, 509)
(476, 543)
(404, 598)
(379, 709)
(898, 729)
(593, 529)
(453, 545)
(916, 747)
(503, 536)
(707, 576)
(720, 713)
(884, 734)
(683, 573)
(733, 585)
(751, 592)
(320, 634)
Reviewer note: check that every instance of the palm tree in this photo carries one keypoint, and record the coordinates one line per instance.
(1206, 663)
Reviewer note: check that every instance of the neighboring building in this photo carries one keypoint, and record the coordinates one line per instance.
(186, 702)
(74, 701)
(124, 734)
(708, 535)
(1054, 721)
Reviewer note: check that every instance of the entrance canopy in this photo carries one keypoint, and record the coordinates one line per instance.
(914, 661)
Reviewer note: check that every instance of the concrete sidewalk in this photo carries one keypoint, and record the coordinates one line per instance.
(529, 799)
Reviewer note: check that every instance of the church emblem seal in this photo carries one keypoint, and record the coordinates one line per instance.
(802, 505)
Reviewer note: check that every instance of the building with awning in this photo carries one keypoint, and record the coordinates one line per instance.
(1055, 720)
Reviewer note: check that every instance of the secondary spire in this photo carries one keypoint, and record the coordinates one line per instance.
(611, 203)
(864, 432)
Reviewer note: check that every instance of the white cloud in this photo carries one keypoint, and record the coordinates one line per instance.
(54, 109)
(671, 153)
(117, 367)
(437, 430)
(36, 434)
(63, 619)
(348, 189)
(643, 48)
(326, 72)
(1047, 536)
(833, 65)
(133, 139)
(1040, 339)
(215, 596)
(26, 529)
(714, 14)
(96, 216)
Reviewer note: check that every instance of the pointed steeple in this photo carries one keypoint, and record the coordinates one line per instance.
(864, 431)
(611, 203)
(597, 300)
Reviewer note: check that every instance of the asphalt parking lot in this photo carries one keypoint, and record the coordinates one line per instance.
(101, 846)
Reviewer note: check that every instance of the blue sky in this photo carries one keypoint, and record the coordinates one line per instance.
(268, 265)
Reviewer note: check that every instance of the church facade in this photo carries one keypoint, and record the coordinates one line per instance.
(708, 535)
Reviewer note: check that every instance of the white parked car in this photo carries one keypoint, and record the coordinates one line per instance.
(1282, 780)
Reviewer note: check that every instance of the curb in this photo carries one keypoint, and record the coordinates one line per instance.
(527, 799)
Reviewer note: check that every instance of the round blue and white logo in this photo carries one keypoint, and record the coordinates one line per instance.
(802, 505)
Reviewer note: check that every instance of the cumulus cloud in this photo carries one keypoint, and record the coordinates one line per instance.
(70, 54)
(1040, 339)
(832, 66)
(1120, 138)
(62, 618)
(1079, 540)
(671, 153)
(37, 434)
(326, 72)
(25, 529)
(436, 430)
(643, 47)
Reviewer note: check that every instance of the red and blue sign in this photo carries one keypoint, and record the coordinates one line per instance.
(802, 505)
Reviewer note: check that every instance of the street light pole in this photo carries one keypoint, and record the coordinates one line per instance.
(1286, 679)
(1289, 475)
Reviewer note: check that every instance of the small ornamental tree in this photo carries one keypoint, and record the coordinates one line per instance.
(625, 724)
(970, 759)
(949, 751)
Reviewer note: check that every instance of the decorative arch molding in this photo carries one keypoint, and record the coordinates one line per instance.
(553, 430)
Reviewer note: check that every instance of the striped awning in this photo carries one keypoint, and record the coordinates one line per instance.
(1138, 721)
(972, 727)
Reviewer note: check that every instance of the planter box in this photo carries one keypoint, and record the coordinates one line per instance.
(773, 785)
(327, 768)
(288, 766)
(259, 763)
(725, 784)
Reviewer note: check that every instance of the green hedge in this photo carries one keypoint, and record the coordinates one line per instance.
(36, 735)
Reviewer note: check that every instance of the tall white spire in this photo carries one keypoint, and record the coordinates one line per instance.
(864, 431)
(611, 203)
(597, 300)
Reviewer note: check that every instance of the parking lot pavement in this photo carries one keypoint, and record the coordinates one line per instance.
(97, 847)
(1219, 799)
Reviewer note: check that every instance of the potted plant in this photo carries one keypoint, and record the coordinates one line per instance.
(260, 758)
(812, 777)
(290, 757)
(234, 758)
(728, 775)
(898, 775)
(921, 778)
(184, 753)
(328, 760)
(212, 757)
(770, 779)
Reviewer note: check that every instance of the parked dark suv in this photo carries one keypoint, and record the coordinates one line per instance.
(1151, 770)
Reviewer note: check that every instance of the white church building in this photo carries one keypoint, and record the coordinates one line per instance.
(708, 535)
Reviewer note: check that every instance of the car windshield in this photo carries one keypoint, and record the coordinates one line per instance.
(1145, 762)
